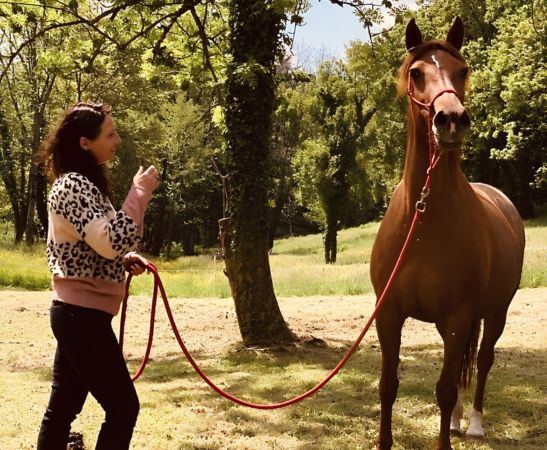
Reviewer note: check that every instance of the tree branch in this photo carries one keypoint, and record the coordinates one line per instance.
(62, 25)
(166, 30)
(204, 43)
(187, 6)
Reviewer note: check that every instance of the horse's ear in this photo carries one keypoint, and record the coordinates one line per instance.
(455, 35)
(413, 35)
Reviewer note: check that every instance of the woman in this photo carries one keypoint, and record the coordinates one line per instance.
(89, 246)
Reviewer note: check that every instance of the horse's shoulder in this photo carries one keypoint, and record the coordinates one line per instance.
(488, 190)
(497, 205)
(492, 196)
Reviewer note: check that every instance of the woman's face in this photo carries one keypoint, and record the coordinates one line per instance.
(103, 147)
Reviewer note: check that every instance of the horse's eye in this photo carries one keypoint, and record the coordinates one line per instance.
(415, 73)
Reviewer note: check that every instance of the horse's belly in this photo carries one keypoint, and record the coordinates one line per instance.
(442, 287)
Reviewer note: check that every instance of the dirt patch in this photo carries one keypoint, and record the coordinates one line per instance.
(209, 326)
(180, 412)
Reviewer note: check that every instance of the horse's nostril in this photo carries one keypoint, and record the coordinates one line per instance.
(465, 121)
(440, 119)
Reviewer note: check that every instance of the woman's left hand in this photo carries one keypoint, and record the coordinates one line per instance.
(134, 263)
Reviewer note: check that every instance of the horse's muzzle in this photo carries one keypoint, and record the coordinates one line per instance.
(450, 126)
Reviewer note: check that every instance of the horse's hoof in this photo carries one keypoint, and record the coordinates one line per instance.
(474, 434)
(455, 428)
(475, 430)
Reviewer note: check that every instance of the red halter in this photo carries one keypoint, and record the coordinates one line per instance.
(433, 147)
(434, 154)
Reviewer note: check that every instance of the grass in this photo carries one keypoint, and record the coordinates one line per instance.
(297, 265)
(178, 411)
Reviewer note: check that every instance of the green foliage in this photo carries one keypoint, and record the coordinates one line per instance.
(166, 85)
(382, 153)
(310, 163)
(508, 102)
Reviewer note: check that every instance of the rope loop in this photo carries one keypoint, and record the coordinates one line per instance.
(158, 285)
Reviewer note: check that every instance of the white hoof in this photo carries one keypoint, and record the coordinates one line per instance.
(475, 429)
(455, 427)
(457, 414)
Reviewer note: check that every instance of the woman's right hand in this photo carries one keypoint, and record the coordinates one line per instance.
(147, 179)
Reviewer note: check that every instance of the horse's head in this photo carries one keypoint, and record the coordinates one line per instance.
(434, 74)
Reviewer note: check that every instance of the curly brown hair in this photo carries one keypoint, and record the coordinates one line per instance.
(61, 151)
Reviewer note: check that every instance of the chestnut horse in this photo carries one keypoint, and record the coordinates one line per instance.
(464, 262)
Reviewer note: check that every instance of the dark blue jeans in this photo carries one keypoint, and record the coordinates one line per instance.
(88, 359)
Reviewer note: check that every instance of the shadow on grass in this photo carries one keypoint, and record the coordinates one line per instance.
(345, 413)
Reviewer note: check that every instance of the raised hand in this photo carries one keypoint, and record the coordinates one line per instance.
(147, 179)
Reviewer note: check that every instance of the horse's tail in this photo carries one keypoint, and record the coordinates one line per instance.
(470, 356)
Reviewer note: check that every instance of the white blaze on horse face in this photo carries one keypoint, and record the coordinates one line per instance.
(436, 62)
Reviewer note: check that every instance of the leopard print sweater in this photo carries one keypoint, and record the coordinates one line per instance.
(76, 208)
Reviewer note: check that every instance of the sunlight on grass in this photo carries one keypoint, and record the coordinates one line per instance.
(297, 266)
(179, 411)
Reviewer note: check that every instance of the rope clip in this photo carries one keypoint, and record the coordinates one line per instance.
(420, 204)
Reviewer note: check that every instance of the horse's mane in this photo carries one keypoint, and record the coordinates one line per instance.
(417, 52)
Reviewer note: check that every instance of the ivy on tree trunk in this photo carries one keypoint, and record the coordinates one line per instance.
(255, 31)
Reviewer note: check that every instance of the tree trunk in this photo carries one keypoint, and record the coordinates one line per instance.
(32, 192)
(34, 175)
(330, 241)
(37, 198)
(275, 212)
(41, 201)
(254, 43)
(7, 173)
(188, 239)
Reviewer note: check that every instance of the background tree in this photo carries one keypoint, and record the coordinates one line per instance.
(329, 160)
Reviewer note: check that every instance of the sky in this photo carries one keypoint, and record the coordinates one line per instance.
(327, 29)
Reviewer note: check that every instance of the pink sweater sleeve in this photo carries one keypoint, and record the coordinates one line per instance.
(135, 204)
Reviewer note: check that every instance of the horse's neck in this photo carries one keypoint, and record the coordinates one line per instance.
(447, 178)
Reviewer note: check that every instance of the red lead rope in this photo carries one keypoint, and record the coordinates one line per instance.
(158, 284)
(420, 208)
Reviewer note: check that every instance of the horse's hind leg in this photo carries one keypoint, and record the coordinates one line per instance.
(493, 327)
(388, 326)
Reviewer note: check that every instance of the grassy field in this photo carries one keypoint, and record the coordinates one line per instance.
(297, 264)
(178, 411)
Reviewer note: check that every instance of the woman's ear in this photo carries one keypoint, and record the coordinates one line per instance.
(84, 143)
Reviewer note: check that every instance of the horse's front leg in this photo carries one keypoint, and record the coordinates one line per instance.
(456, 336)
(388, 326)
